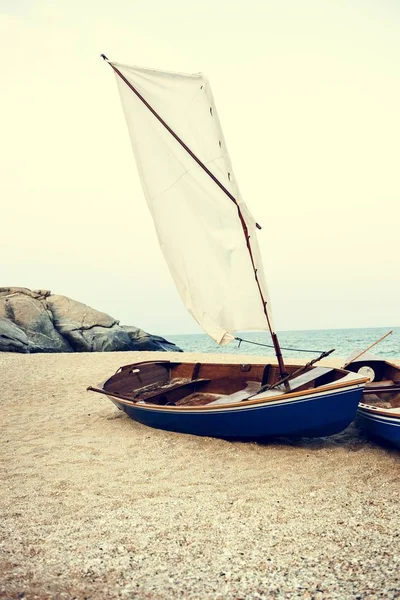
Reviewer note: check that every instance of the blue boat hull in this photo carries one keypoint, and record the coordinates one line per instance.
(313, 415)
(379, 426)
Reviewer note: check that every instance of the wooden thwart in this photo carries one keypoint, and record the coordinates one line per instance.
(384, 383)
(174, 392)
(381, 390)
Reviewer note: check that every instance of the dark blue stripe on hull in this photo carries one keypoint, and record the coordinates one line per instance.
(312, 417)
(378, 427)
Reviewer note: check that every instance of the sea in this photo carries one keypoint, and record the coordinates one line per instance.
(294, 343)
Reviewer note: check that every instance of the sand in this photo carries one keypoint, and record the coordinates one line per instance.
(94, 505)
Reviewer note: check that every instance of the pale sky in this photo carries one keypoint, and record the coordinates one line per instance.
(308, 94)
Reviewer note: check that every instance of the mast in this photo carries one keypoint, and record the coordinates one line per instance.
(366, 349)
(274, 336)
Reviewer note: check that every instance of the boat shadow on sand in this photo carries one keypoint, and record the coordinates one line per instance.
(353, 438)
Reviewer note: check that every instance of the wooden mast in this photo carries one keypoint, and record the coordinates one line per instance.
(366, 349)
(274, 336)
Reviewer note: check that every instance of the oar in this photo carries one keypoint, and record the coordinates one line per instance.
(285, 380)
(369, 348)
(118, 396)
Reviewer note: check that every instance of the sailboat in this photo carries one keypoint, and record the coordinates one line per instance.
(209, 240)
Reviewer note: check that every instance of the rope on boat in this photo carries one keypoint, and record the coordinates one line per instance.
(240, 340)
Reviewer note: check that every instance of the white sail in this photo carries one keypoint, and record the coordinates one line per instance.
(198, 226)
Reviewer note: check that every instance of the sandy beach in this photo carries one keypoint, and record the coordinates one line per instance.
(94, 505)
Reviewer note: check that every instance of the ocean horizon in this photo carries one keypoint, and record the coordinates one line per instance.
(293, 343)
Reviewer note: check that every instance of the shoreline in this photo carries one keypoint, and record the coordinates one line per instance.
(96, 505)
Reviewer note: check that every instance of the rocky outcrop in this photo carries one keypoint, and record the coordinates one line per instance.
(87, 329)
(28, 310)
(38, 321)
(146, 341)
(12, 338)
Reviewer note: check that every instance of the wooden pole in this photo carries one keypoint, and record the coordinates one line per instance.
(274, 336)
(285, 380)
(369, 348)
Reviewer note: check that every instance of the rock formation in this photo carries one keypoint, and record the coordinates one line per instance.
(144, 341)
(12, 338)
(38, 321)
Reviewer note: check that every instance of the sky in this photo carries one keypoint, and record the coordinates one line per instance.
(308, 94)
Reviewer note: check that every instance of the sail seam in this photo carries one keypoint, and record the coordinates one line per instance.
(183, 175)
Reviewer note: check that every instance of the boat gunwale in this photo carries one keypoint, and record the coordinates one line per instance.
(376, 359)
(377, 410)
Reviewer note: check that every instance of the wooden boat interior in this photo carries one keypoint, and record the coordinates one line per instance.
(199, 384)
(388, 399)
(383, 391)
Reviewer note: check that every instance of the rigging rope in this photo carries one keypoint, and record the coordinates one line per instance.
(240, 340)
